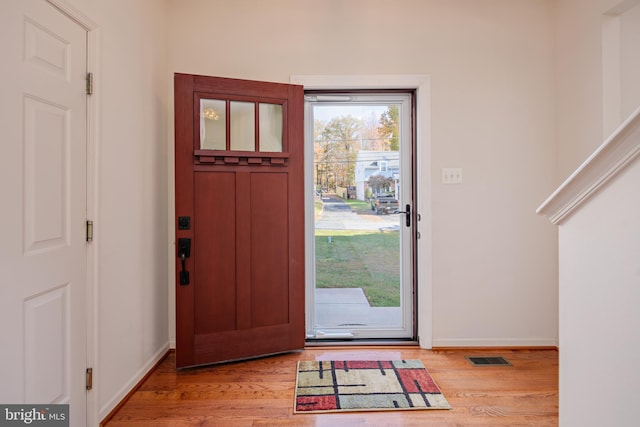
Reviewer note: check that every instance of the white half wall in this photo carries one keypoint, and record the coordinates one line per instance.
(599, 316)
(598, 211)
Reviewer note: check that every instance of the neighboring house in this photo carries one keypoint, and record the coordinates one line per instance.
(370, 163)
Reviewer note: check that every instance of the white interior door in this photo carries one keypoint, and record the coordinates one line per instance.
(44, 198)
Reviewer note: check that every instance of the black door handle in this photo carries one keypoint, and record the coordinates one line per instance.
(184, 252)
(407, 212)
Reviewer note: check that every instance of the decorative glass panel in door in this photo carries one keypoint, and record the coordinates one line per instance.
(213, 124)
(239, 132)
(243, 131)
(270, 127)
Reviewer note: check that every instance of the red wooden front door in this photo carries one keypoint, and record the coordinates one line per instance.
(239, 219)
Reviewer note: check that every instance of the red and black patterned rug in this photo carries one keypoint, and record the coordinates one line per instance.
(366, 385)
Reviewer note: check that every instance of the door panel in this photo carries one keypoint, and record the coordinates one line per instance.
(245, 296)
(215, 305)
(269, 252)
(42, 233)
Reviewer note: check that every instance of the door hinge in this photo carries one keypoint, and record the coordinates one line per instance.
(89, 231)
(89, 83)
(89, 379)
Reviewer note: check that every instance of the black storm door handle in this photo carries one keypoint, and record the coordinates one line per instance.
(407, 212)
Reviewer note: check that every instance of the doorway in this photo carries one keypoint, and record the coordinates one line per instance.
(360, 170)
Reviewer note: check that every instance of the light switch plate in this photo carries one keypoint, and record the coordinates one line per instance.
(452, 175)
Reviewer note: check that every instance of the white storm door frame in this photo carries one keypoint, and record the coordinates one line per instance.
(422, 85)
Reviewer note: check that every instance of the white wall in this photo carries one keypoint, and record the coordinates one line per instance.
(593, 97)
(599, 316)
(492, 82)
(630, 59)
(131, 193)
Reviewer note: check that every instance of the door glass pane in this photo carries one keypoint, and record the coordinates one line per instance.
(271, 127)
(213, 124)
(243, 126)
(362, 281)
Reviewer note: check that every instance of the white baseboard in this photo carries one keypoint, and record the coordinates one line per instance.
(495, 342)
(122, 393)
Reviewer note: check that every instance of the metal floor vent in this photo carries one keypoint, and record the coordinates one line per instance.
(488, 361)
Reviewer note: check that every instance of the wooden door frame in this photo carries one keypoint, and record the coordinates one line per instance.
(422, 85)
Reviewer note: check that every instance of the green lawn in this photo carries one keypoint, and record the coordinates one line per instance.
(360, 259)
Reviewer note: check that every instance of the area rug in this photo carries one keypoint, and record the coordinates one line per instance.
(365, 385)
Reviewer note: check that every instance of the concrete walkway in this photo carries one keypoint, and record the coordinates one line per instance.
(348, 307)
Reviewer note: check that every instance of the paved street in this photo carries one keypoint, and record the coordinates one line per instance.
(337, 215)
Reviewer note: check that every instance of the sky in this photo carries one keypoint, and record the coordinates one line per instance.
(327, 112)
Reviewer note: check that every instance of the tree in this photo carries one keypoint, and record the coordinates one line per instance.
(320, 173)
(389, 127)
(380, 184)
(337, 147)
(371, 139)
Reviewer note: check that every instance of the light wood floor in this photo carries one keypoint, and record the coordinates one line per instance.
(260, 392)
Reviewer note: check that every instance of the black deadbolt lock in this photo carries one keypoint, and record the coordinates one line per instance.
(184, 222)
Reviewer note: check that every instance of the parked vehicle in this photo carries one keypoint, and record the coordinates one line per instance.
(384, 204)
